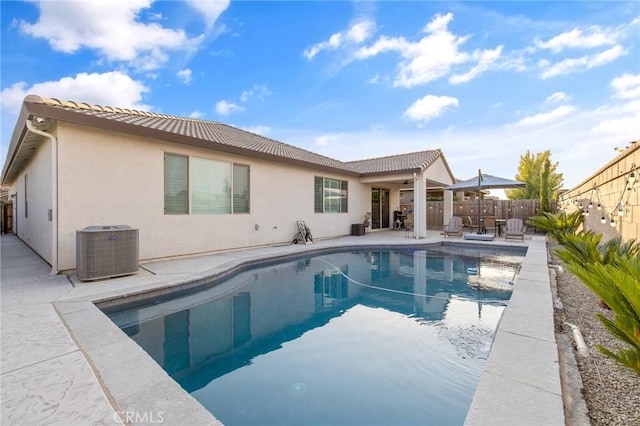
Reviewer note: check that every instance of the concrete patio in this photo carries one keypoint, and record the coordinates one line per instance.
(64, 362)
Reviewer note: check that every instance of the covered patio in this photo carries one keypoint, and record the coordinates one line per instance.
(395, 180)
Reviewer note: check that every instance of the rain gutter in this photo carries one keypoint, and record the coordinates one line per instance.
(54, 192)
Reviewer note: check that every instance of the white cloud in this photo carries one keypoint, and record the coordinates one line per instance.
(382, 45)
(428, 107)
(624, 120)
(592, 37)
(259, 91)
(626, 86)
(184, 75)
(111, 28)
(571, 65)
(486, 59)
(546, 117)
(258, 129)
(210, 9)
(328, 140)
(225, 108)
(621, 120)
(433, 56)
(197, 114)
(356, 34)
(581, 144)
(107, 89)
(360, 31)
(557, 97)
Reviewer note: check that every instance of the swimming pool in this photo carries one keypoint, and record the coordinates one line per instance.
(394, 336)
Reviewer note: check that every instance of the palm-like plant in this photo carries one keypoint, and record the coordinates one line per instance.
(557, 225)
(585, 248)
(618, 285)
(581, 248)
(629, 249)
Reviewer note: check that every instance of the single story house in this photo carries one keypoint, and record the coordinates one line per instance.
(190, 186)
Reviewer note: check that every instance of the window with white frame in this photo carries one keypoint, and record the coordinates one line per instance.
(214, 187)
(330, 195)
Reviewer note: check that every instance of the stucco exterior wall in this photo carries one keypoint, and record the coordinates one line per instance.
(108, 178)
(36, 229)
(607, 187)
(438, 172)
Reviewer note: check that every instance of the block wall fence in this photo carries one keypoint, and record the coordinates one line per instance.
(610, 197)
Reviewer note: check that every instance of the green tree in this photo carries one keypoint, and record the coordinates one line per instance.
(529, 171)
(545, 192)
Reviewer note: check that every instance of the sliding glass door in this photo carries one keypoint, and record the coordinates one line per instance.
(379, 208)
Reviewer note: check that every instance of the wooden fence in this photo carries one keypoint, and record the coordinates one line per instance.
(500, 209)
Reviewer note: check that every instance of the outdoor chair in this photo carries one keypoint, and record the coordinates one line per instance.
(514, 229)
(490, 224)
(467, 222)
(454, 227)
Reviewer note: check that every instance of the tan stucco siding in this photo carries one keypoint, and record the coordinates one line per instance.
(36, 229)
(107, 178)
(438, 172)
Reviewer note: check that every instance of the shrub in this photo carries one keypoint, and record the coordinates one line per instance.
(585, 248)
(557, 225)
(618, 285)
(580, 248)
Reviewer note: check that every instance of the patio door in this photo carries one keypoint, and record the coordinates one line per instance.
(379, 208)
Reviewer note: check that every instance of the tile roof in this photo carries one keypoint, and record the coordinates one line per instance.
(209, 131)
(213, 135)
(396, 163)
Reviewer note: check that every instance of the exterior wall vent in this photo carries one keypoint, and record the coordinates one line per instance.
(106, 251)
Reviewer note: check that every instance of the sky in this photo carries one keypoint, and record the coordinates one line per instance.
(482, 81)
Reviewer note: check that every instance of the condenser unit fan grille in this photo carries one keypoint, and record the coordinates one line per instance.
(106, 251)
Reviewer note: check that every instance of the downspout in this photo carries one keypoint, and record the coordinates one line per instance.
(54, 195)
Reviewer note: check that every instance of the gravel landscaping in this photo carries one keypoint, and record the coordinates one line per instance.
(611, 392)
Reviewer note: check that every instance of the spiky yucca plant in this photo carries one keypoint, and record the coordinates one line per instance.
(557, 225)
(618, 285)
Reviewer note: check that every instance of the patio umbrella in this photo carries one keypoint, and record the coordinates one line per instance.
(484, 181)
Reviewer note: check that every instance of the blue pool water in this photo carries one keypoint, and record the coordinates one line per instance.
(385, 337)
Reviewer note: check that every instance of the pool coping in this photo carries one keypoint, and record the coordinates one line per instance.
(133, 383)
(521, 383)
(529, 381)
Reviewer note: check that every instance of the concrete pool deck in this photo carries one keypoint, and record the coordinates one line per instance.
(64, 362)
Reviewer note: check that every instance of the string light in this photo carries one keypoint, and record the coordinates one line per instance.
(629, 182)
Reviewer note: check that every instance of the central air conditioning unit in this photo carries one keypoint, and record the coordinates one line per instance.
(106, 251)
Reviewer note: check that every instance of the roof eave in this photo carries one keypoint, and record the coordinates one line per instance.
(17, 137)
(71, 116)
(392, 172)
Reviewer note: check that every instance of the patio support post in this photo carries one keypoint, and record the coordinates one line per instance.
(447, 207)
(420, 205)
